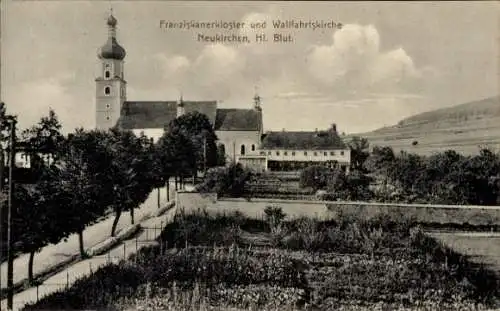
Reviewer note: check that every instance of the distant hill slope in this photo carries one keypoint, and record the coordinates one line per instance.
(464, 128)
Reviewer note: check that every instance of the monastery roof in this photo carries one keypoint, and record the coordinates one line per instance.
(158, 114)
(208, 108)
(147, 114)
(238, 120)
(314, 140)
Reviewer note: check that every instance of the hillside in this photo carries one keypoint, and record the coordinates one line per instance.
(464, 128)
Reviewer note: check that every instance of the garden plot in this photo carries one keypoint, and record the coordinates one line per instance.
(231, 262)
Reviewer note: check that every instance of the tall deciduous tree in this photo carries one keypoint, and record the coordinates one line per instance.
(45, 136)
(199, 130)
(37, 213)
(176, 155)
(40, 216)
(359, 152)
(131, 172)
(380, 160)
(407, 172)
(84, 179)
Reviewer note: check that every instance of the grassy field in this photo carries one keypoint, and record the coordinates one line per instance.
(480, 247)
(463, 128)
(231, 262)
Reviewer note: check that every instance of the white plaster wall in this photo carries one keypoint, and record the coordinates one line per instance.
(233, 140)
(341, 156)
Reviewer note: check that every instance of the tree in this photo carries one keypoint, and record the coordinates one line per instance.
(156, 174)
(129, 172)
(37, 200)
(378, 164)
(406, 174)
(40, 216)
(359, 152)
(175, 155)
(45, 136)
(441, 178)
(354, 186)
(84, 179)
(199, 130)
(481, 177)
(380, 160)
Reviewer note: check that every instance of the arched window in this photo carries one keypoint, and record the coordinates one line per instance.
(107, 74)
(253, 147)
(107, 90)
(242, 150)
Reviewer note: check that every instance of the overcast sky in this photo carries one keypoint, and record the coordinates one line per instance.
(389, 61)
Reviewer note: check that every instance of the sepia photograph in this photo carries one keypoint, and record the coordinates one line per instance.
(249, 155)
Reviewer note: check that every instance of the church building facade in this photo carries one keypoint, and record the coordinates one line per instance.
(240, 132)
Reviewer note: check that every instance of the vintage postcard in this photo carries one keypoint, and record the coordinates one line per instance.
(249, 155)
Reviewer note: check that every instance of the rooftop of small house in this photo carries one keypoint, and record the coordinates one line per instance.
(303, 140)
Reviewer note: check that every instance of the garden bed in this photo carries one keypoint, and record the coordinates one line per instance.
(237, 263)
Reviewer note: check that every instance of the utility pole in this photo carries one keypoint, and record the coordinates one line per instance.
(2, 247)
(10, 253)
(2, 180)
(234, 152)
(204, 156)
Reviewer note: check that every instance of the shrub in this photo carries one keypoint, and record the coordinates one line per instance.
(274, 215)
(225, 181)
(315, 177)
(200, 228)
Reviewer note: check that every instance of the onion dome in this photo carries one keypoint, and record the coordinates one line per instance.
(112, 50)
(112, 21)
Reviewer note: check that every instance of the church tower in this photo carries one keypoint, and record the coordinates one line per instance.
(110, 83)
